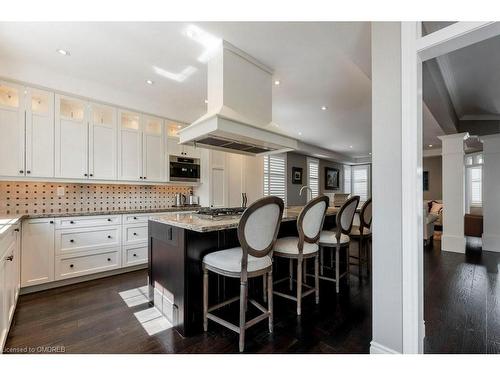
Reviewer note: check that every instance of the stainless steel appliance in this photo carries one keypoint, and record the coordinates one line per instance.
(184, 169)
(180, 200)
(193, 200)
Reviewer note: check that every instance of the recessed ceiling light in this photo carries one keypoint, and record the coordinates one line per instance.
(350, 146)
(430, 145)
(63, 52)
(324, 108)
(179, 126)
(277, 82)
(300, 133)
(206, 101)
(149, 82)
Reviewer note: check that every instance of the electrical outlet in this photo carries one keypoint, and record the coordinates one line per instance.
(60, 191)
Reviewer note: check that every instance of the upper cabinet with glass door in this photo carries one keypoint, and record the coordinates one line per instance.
(39, 133)
(129, 146)
(71, 130)
(12, 107)
(102, 147)
(153, 149)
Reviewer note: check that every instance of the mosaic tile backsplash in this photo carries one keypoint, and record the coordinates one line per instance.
(41, 197)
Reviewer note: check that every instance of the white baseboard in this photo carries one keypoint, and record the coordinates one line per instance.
(491, 242)
(455, 244)
(376, 348)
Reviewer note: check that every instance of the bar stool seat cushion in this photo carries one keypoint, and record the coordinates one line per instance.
(355, 231)
(230, 260)
(289, 245)
(328, 237)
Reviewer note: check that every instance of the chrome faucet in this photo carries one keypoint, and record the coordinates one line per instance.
(309, 192)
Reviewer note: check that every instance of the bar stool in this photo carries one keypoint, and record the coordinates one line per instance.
(339, 239)
(363, 235)
(305, 246)
(257, 232)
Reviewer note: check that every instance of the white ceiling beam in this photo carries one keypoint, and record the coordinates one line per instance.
(455, 36)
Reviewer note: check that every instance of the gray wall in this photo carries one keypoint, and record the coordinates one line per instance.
(299, 160)
(434, 166)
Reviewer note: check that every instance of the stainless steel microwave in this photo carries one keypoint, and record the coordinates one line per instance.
(184, 169)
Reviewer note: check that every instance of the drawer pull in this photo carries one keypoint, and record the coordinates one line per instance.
(16, 230)
(135, 234)
(71, 241)
(109, 259)
(10, 258)
(51, 222)
(72, 222)
(135, 217)
(135, 255)
(71, 266)
(109, 236)
(109, 219)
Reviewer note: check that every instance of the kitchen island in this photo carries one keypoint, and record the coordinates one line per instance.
(177, 244)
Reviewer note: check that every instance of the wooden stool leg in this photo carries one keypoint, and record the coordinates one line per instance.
(337, 269)
(299, 286)
(264, 287)
(290, 273)
(205, 299)
(243, 309)
(270, 299)
(360, 267)
(322, 258)
(304, 270)
(316, 277)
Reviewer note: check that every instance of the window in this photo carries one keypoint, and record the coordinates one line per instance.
(361, 181)
(275, 175)
(313, 176)
(474, 179)
(347, 179)
(476, 186)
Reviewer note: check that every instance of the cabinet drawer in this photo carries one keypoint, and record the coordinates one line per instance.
(75, 240)
(134, 219)
(135, 234)
(135, 255)
(87, 221)
(86, 264)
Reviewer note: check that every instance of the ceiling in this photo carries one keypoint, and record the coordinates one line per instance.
(318, 64)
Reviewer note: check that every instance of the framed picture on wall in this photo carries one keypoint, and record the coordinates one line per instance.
(425, 178)
(296, 175)
(331, 178)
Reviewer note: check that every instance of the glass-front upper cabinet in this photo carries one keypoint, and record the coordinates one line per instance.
(39, 133)
(153, 149)
(129, 146)
(102, 142)
(71, 130)
(12, 129)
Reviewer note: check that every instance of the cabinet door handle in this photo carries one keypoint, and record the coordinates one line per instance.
(140, 177)
(10, 258)
(109, 219)
(51, 222)
(109, 259)
(28, 172)
(144, 177)
(85, 174)
(91, 175)
(71, 266)
(135, 255)
(16, 230)
(21, 171)
(71, 241)
(135, 234)
(109, 236)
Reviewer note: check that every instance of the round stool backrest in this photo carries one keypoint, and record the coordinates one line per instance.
(310, 221)
(345, 215)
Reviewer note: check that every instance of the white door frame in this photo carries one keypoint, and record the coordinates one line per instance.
(416, 49)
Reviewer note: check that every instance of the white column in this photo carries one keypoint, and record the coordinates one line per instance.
(453, 238)
(397, 190)
(491, 192)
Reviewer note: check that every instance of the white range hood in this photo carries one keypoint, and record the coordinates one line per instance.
(239, 116)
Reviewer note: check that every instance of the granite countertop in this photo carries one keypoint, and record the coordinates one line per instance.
(94, 213)
(197, 223)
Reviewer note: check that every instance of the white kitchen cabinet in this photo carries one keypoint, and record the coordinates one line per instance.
(153, 149)
(218, 179)
(176, 149)
(12, 128)
(39, 152)
(102, 142)
(9, 279)
(37, 256)
(253, 177)
(141, 147)
(71, 141)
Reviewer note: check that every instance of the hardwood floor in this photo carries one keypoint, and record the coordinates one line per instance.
(462, 300)
(92, 317)
(462, 313)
